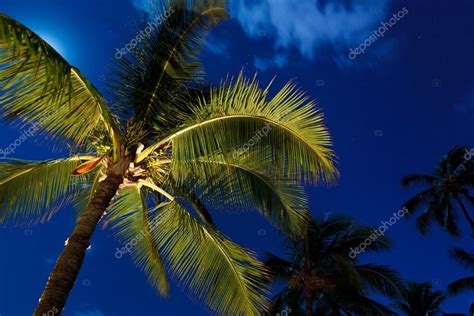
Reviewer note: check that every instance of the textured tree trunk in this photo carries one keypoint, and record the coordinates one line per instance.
(67, 267)
(309, 302)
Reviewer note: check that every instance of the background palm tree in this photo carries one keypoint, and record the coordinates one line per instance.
(448, 190)
(160, 158)
(465, 284)
(419, 299)
(323, 276)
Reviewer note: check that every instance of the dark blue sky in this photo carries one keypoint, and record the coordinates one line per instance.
(394, 110)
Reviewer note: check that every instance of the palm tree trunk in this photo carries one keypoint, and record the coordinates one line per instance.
(67, 267)
(309, 302)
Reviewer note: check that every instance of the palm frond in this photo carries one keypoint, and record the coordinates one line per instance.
(367, 306)
(418, 200)
(424, 222)
(159, 75)
(463, 257)
(287, 300)
(380, 279)
(239, 116)
(226, 277)
(187, 194)
(279, 267)
(133, 222)
(37, 86)
(245, 183)
(31, 192)
(461, 285)
(419, 179)
(420, 299)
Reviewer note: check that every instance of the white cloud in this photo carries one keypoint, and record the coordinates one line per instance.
(144, 5)
(308, 24)
(217, 46)
(262, 64)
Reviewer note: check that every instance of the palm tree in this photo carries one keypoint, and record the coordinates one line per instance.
(447, 188)
(419, 299)
(324, 277)
(465, 284)
(155, 165)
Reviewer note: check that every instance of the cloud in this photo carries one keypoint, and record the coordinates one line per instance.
(310, 24)
(217, 46)
(262, 64)
(144, 5)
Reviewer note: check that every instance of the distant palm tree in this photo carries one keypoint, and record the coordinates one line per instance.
(322, 276)
(419, 299)
(164, 156)
(465, 284)
(447, 188)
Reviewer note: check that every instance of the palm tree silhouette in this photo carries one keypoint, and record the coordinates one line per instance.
(447, 188)
(323, 278)
(419, 299)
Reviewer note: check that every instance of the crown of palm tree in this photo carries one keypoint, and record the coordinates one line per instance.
(170, 145)
(320, 269)
(419, 299)
(447, 188)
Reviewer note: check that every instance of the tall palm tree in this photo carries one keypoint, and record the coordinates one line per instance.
(155, 165)
(448, 187)
(419, 299)
(465, 284)
(322, 277)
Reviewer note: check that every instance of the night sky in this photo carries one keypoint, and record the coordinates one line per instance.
(393, 110)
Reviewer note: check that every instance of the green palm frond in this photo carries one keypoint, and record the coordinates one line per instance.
(158, 76)
(239, 115)
(246, 182)
(228, 278)
(37, 86)
(185, 193)
(31, 192)
(132, 220)
(84, 197)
